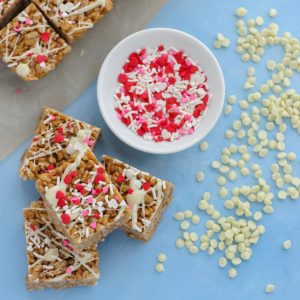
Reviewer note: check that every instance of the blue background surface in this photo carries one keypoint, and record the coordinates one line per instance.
(127, 266)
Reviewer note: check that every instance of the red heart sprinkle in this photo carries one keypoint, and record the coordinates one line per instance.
(45, 37)
(120, 178)
(59, 138)
(32, 227)
(130, 191)
(60, 130)
(122, 78)
(65, 218)
(68, 179)
(60, 195)
(100, 170)
(96, 215)
(61, 202)
(41, 58)
(79, 187)
(74, 173)
(146, 186)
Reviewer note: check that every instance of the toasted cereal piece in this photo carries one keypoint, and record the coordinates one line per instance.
(72, 18)
(8, 9)
(29, 46)
(52, 262)
(81, 201)
(54, 141)
(146, 195)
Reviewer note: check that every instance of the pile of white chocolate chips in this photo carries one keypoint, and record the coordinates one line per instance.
(260, 131)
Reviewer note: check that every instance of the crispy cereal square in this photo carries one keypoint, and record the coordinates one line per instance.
(81, 200)
(52, 262)
(73, 18)
(54, 141)
(146, 195)
(29, 46)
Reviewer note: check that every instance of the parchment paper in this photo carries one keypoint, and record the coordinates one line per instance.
(21, 102)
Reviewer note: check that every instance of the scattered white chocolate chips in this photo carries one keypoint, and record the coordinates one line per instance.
(159, 267)
(161, 257)
(270, 288)
(259, 131)
(221, 41)
(287, 244)
(203, 146)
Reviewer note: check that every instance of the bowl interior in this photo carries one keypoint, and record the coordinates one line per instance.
(112, 66)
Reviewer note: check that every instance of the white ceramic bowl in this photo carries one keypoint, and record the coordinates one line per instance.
(112, 66)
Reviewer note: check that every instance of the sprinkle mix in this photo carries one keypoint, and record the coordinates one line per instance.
(162, 94)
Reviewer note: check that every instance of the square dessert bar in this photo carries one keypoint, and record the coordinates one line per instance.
(52, 262)
(73, 18)
(8, 8)
(81, 201)
(55, 140)
(29, 46)
(146, 195)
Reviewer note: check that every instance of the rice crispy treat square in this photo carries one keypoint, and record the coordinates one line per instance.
(81, 201)
(7, 9)
(29, 46)
(147, 196)
(52, 262)
(56, 137)
(73, 18)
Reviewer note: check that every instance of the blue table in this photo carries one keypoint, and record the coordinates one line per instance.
(127, 266)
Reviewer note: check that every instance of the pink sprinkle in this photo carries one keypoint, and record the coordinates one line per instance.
(93, 192)
(105, 189)
(28, 21)
(84, 212)
(93, 225)
(52, 118)
(65, 242)
(90, 199)
(69, 270)
(192, 97)
(191, 131)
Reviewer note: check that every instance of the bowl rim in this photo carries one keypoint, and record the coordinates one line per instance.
(159, 150)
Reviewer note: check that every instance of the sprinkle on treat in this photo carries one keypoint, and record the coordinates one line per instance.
(162, 94)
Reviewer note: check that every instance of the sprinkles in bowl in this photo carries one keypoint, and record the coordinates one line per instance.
(162, 94)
